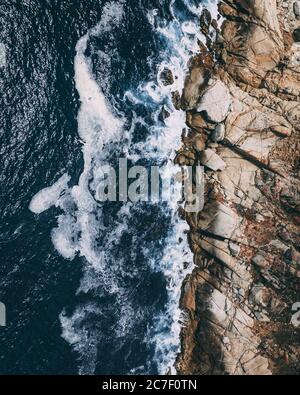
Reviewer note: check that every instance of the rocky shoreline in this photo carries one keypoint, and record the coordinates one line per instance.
(242, 105)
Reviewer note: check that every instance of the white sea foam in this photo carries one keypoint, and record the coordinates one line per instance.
(2, 55)
(97, 125)
(78, 228)
(177, 261)
(65, 236)
(49, 196)
(79, 338)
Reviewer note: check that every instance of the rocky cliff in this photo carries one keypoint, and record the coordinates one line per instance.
(242, 105)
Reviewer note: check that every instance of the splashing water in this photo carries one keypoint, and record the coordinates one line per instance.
(122, 254)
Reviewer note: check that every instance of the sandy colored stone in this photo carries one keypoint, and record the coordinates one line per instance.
(242, 308)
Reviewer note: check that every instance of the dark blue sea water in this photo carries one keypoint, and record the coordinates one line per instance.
(89, 288)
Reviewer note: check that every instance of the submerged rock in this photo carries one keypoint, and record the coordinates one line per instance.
(166, 77)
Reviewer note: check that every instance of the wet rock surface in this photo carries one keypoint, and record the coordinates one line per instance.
(242, 102)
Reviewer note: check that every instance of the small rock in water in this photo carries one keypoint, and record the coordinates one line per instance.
(166, 77)
(176, 99)
(205, 21)
(218, 134)
(164, 114)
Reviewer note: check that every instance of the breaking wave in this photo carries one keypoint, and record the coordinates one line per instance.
(127, 318)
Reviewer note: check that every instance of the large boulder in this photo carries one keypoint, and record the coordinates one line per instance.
(215, 102)
(252, 38)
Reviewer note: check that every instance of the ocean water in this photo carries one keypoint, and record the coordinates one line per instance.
(89, 287)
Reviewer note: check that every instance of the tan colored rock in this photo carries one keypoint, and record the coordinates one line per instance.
(211, 160)
(199, 143)
(243, 296)
(215, 102)
(253, 41)
(195, 83)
